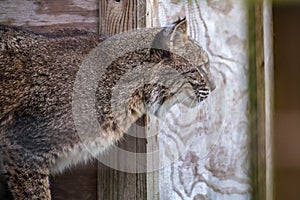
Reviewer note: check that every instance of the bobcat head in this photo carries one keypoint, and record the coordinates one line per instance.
(190, 82)
(160, 67)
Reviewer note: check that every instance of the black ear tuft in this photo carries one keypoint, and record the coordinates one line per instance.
(179, 20)
(180, 27)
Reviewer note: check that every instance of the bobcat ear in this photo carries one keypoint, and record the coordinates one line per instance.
(180, 27)
(173, 35)
(178, 33)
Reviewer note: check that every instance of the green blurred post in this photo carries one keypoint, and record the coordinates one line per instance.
(260, 90)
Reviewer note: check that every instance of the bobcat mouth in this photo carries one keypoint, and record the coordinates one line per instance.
(206, 77)
(203, 94)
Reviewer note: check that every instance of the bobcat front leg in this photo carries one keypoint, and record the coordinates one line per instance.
(26, 184)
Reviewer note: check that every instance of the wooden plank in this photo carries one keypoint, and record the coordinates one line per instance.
(152, 159)
(212, 139)
(121, 15)
(256, 96)
(76, 184)
(117, 17)
(43, 16)
(261, 97)
(269, 96)
(119, 185)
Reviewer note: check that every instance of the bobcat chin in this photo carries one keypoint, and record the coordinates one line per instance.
(38, 135)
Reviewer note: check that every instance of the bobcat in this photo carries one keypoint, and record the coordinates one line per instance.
(38, 135)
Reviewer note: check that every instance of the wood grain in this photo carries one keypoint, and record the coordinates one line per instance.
(120, 16)
(204, 152)
(43, 16)
(211, 143)
(269, 96)
(117, 17)
(78, 183)
(260, 73)
(152, 148)
(119, 185)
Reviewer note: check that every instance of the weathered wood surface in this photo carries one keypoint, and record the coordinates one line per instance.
(261, 97)
(152, 159)
(119, 185)
(46, 15)
(260, 71)
(117, 17)
(269, 96)
(213, 140)
(78, 183)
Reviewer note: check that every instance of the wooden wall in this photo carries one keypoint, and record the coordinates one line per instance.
(75, 184)
(210, 143)
(46, 15)
(94, 180)
(216, 164)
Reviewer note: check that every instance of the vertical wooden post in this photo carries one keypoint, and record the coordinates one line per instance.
(118, 185)
(220, 28)
(116, 16)
(269, 96)
(153, 192)
(261, 104)
(152, 159)
(255, 39)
